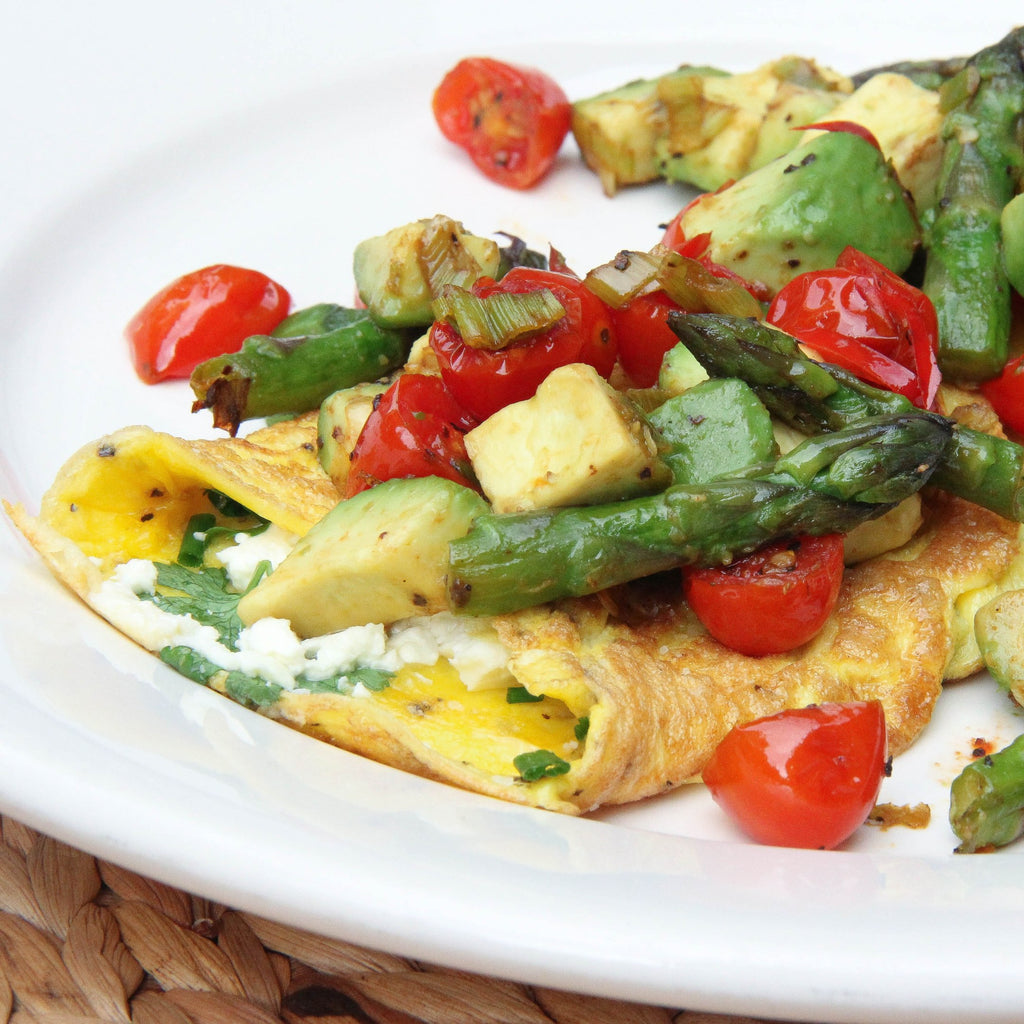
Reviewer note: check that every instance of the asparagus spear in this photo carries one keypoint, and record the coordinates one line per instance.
(964, 275)
(814, 396)
(827, 484)
(929, 74)
(986, 803)
(313, 353)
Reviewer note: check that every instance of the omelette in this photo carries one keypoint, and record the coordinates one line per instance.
(567, 706)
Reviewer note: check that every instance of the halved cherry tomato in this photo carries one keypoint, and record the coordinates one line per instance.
(484, 381)
(696, 248)
(868, 320)
(201, 315)
(770, 601)
(1006, 393)
(644, 336)
(415, 429)
(510, 120)
(806, 777)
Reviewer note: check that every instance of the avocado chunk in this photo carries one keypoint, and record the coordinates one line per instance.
(398, 273)
(379, 556)
(800, 211)
(722, 127)
(1012, 225)
(1001, 642)
(342, 416)
(717, 428)
(680, 371)
(577, 441)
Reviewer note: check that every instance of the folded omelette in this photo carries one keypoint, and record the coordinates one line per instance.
(624, 688)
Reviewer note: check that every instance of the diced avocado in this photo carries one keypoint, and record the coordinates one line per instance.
(680, 371)
(906, 120)
(342, 416)
(997, 628)
(886, 533)
(716, 428)
(379, 556)
(1012, 225)
(577, 441)
(392, 271)
(800, 211)
(720, 128)
(617, 132)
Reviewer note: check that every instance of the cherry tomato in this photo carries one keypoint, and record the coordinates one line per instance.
(1006, 393)
(644, 336)
(201, 315)
(510, 120)
(770, 601)
(868, 320)
(483, 381)
(696, 248)
(806, 777)
(415, 429)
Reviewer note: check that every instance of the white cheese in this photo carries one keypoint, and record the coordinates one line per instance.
(241, 558)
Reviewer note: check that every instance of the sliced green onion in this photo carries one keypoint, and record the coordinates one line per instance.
(693, 287)
(622, 279)
(521, 695)
(582, 727)
(496, 320)
(193, 543)
(539, 764)
(443, 258)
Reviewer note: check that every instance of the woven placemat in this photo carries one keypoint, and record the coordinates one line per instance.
(83, 941)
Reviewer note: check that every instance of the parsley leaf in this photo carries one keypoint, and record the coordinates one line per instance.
(204, 594)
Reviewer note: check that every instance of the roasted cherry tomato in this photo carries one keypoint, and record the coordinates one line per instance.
(484, 381)
(868, 320)
(201, 315)
(770, 601)
(807, 777)
(1006, 393)
(510, 120)
(415, 429)
(644, 336)
(696, 248)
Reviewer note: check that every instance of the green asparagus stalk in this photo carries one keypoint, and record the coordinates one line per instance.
(986, 804)
(982, 159)
(313, 353)
(929, 74)
(813, 397)
(827, 484)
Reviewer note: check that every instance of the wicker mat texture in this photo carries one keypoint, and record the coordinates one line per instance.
(83, 941)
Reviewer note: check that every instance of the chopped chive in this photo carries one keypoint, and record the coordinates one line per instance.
(521, 695)
(582, 727)
(539, 764)
(193, 544)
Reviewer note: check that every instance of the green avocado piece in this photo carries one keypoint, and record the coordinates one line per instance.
(1012, 224)
(389, 269)
(341, 418)
(800, 211)
(716, 428)
(680, 371)
(379, 556)
(997, 628)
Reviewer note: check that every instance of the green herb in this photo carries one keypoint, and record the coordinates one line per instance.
(374, 679)
(539, 764)
(189, 663)
(227, 506)
(204, 594)
(582, 727)
(193, 544)
(521, 695)
(252, 692)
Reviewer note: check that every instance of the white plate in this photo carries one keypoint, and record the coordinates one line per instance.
(102, 746)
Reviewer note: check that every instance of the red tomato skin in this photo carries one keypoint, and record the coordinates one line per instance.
(805, 777)
(868, 320)
(483, 382)
(1006, 393)
(415, 429)
(511, 120)
(203, 314)
(769, 602)
(644, 336)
